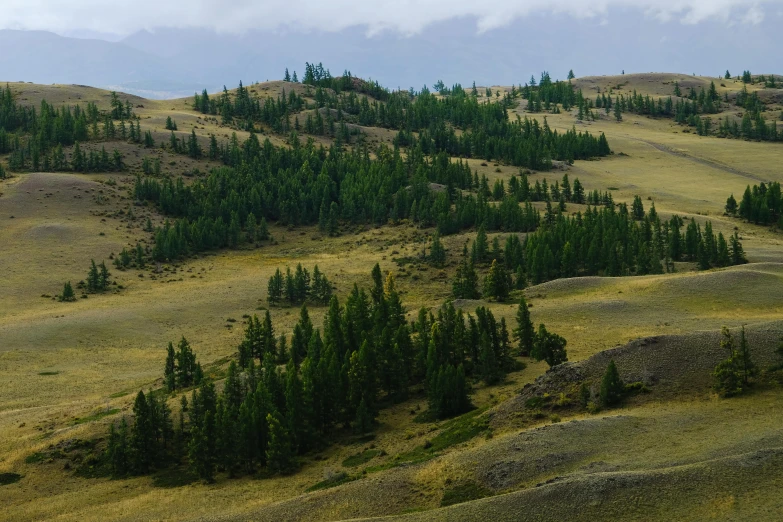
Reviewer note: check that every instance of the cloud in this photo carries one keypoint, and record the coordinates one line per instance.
(403, 16)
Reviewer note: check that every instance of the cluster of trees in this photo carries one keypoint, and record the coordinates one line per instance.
(366, 355)
(243, 109)
(610, 240)
(35, 137)
(308, 184)
(770, 82)
(616, 242)
(317, 75)
(91, 161)
(733, 375)
(98, 277)
(689, 108)
(296, 288)
(181, 369)
(522, 143)
(547, 94)
(541, 344)
(98, 280)
(487, 132)
(498, 282)
(126, 257)
(762, 204)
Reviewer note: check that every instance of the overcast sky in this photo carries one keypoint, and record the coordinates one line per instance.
(403, 16)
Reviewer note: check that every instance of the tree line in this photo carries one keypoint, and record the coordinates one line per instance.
(35, 138)
(609, 240)
(297, 287)
(762, 204)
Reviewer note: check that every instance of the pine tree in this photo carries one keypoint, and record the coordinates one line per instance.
(465, 284)
(117, 449)
(437, 252)
(490, 367)
(142, 436)
(549, 347)
(746, 366)
(524, 332)
(498, 282)
(612, 387)
(169, 371)
(93, 278)
(727, 374)
(68, 294)
(737, 254)
(731, 206)
(479, 249)
(279, 457)
(275, 288)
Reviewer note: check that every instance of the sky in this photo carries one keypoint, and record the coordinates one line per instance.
(109, 19)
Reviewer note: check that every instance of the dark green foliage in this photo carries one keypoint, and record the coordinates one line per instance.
(733, 375)
(731, 206)
(612, 387)
(465, 285)
(181, 369)
(297, 288)
(549, 347)
(497, 284)
(762, 204)
(9, 478)
(98, 277)
(68, 294)
(366, 355)
(437, 255)
(279, 457)
(525, 332)
(35, 137)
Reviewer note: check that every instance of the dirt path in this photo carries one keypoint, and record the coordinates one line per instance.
(701, 161)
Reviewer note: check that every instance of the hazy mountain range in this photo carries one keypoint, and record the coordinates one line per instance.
(176, 62)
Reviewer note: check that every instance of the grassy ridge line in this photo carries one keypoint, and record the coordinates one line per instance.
(692, 492)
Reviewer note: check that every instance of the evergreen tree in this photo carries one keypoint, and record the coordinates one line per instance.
(465, 284)
(279, 456)
(549, 347)
(117, 449)
(525, 331)
(731, 206)
(612, 387)
(437, 252)
(68, 294)
(497, 284)
(737, 254)
(480, 247)
(275, 288)
(727, 374)
(169, 371)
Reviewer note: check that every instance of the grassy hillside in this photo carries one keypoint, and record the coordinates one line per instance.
(680, 451)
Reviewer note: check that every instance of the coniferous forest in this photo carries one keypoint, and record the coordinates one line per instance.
(365, 357)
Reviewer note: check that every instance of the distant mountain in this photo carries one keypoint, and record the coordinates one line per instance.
(41, 57)
(167, 62)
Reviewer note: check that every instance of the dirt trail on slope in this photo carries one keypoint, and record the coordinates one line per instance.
(701, 161)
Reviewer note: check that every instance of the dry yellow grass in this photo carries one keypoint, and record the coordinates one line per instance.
(106, 348)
